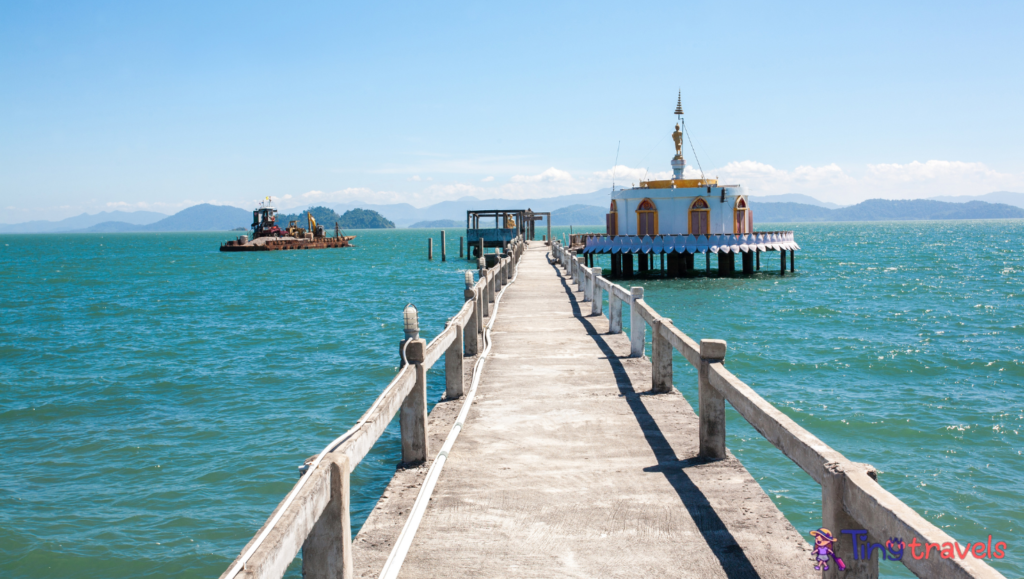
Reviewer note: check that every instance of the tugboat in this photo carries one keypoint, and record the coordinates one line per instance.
(267, 235)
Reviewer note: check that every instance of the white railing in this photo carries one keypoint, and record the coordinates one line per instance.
(314, 515)
(851, 496)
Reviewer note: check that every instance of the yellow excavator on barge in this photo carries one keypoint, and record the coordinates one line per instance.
(266, 235)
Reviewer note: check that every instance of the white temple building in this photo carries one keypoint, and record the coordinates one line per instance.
(680, 217)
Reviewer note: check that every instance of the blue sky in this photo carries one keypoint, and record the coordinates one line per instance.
(145, 105)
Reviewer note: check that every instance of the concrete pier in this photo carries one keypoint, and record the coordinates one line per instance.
(578, 457)
(570, 466)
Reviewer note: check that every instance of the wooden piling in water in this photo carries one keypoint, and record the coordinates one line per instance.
(792, 260)
(782, 262)
(430, 248)
(460, 247)
(758, 260)
(444, 247)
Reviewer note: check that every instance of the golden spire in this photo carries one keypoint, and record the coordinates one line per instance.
(679, 103)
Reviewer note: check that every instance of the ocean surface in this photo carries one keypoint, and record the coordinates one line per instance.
(157, 396)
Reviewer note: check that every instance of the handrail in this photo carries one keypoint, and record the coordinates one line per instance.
(281, 537)
(849, 490)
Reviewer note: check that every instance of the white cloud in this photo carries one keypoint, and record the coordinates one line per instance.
(487, 179)
(414, 178)
(548, 175)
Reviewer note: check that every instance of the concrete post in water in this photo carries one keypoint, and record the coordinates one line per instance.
(430, 248)
(661, 358)
(711, 404)
(413, 416)
(835, 518)
(782, 271)
(792, 260)
(453, 366)
(748, 262)
(596, 295)
(472, 330)
(637, 325)
(614, 313)
(758, 260)
(460, 247)
(327, 550)
(707, 262)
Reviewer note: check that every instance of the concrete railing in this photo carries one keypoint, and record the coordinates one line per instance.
(851, 497)
(315, 516)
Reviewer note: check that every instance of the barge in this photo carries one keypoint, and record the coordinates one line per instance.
(266, 235)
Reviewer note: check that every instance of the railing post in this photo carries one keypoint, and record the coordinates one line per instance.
(614, 312)
(413, 416)
(835, 518)
(453, 366)
(504, 270)
(587, 288)
(661, 358)
(579, 275)
(327, 550)
(637, 325)
(596, 294)
(496, 271)
(472, 330)
(711, 404)
(490, 285)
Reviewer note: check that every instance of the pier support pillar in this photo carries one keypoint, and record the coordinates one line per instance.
(661, 359)
(835, 518)
(327, 550)
(711, 403)
(675, 264)
(707, 262)
(453, 366)
(413, 415)
(444, 247)
(616, 260)
(430, 248)
(758, 260)
(637, 325)
(748, 262)
(614, 313)
(643, 264)
(627, 265)
(782, 261)
(461, 255)
(792, 260)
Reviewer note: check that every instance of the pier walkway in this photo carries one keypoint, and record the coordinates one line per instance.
(577, 457)
(569, 466)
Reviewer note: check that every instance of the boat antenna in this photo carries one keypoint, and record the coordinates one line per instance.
(615, 166)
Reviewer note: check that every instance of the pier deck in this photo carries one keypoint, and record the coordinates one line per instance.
(569, 466)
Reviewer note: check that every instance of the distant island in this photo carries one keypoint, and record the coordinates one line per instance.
(883, 210)
(351, 219)
(587, 209)
(437, 223)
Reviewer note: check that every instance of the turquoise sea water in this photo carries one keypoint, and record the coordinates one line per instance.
(156, 396)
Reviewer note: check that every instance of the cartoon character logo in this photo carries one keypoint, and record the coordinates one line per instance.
(823, 541)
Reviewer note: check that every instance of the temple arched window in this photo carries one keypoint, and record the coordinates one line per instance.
(700, 217)
(741, 222)
(646, 218)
